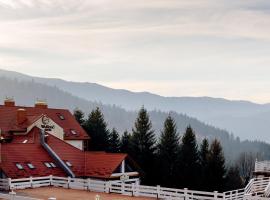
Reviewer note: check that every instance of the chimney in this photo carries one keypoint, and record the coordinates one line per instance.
(41, 104)
(9, 102)
(21, 115)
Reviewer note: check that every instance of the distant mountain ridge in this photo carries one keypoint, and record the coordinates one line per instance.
(245, 119)
(26, 92)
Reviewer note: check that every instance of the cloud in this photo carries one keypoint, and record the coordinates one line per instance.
(153, 40)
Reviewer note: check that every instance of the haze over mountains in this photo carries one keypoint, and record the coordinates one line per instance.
(26, 89)
(245, 119)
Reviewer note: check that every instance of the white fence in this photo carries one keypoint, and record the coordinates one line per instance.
(132, 188)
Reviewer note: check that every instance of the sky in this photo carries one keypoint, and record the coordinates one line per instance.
(217, 48)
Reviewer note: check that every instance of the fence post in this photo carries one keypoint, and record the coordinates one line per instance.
(122, 187)
(224, 195)
(133, 189)
(107, 186)
(186, 193)
(9, 184)
(51, 180)
(89, 184)
(215, 195)
(68, 183)
(158, 191)
(31, 181)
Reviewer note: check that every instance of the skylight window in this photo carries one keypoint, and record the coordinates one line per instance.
(48, 165)
(19, 166)
(73, 132)
(62, 117)
(68, 164)
(30, 165)
(52, 164)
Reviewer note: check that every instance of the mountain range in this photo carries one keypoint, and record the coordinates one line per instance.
(120, 109)
(243, 118)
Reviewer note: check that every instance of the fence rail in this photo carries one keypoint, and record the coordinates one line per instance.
(132, 187)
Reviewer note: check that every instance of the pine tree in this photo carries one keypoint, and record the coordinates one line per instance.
(233, 179)
(203, 157)
(216, 167)
(79, 116)
(143, 145)
(168, 148)
(188, 161)
(96, 128)
(125, 142)
(114, 142)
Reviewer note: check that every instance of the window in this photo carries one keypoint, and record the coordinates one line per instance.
(47, 165)
(62, 117)
(52, 164)
(19, 166)
(73, 132)
(30, 165)
(68, 164)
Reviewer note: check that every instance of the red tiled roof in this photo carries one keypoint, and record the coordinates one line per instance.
(34, 153)
(84, 164)
(101, 164)
(8, 120)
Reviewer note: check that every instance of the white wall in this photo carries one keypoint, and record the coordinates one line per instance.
(76, 143)
(57, 130)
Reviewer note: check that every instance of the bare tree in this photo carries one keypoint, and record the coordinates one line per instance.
(246, 164)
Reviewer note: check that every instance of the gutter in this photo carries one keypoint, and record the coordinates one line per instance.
(57, 159)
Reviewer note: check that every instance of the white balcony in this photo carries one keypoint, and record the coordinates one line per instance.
(262, 166)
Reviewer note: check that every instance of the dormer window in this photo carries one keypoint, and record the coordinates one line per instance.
(73, 132)
(62, 117)
(31, 166)
(48, 165)
(52, 164)
(68, 164)
(19, 166)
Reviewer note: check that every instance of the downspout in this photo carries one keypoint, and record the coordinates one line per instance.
(51, 152)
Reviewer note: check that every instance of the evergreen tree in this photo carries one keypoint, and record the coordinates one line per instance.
(203, 157)
(168, 148)
(79, 116)
(233, 179)
(114, 142)
(216, 167)
(96, 127)
(125, 142)
(188, 162)
(143, 145)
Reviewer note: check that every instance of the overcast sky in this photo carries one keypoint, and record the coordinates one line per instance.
(218, 48)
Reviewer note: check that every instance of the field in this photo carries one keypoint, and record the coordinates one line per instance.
(70, 194)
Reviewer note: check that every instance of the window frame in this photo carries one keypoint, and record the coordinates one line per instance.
(52, 164)
(61, 116)
(30, 165)
(19, 166)
(47, 164)
(68, 164)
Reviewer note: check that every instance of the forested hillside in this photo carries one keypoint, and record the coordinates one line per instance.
(243, 118)
(27, 92)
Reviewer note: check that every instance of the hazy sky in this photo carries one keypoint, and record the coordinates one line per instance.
(218, 48)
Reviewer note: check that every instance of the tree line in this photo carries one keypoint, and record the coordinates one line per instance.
(170, 160)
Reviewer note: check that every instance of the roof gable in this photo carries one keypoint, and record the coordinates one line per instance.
(68, 122)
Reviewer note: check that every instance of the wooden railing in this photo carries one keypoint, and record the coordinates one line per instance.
(132, 187)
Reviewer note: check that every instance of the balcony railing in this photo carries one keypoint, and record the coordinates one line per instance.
(262, 166)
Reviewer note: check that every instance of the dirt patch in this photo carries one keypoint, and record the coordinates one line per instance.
(70, 194)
